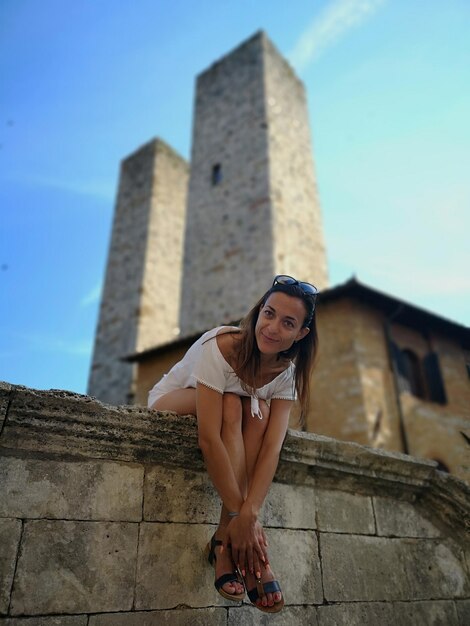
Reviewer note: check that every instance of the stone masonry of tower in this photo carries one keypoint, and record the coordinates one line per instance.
(252, 212)
(141, 296)
(253, 208)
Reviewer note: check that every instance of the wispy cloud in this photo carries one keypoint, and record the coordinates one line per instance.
(103, 190)
(47, 343)
(338, 17)
(92, 297)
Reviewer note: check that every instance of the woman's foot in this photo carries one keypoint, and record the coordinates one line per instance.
(265, 592)
(232, 589)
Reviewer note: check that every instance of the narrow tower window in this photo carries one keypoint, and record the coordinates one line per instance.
(216, 174)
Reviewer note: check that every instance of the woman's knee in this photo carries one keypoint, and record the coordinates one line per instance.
(252, 422)
(232, 410)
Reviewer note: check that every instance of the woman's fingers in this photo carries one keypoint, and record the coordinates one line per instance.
(256, 565)
(241, 562)
(250, 559)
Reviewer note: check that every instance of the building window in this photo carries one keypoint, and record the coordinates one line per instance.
(421, 377)
(216, 174)
(413, 373)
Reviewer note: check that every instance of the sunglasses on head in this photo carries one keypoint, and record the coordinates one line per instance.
(307, 288)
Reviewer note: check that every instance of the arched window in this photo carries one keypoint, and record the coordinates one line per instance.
(421, 377)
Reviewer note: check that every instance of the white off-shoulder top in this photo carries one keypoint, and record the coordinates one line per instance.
(204, 363)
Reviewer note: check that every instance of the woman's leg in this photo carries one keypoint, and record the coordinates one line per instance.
(231, 435)
(181, 401)
(253, 430)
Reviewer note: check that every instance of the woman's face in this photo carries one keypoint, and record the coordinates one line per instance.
(280, 323)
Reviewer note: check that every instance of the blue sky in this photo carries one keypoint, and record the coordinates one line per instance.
(83, 84)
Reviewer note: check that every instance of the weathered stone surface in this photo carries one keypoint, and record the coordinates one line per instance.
(178, 495)
(401, 519)
(10, 532)
(58, 620)
(4, 399)
(70, 490)
(75, 567)
(175, 617)
(172, 569)
(375, 568)
(449, 498)
(351, 463)
(338, 511)
(294, 559)
(285, 507)
(437, 613)
(463, 611)
(67, 423)
(288, 616)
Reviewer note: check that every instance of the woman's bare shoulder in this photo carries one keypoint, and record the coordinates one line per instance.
(227, 338)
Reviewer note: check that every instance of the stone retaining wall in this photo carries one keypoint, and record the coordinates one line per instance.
(104, 513)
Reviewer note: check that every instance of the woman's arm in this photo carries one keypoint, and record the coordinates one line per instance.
(209, 417)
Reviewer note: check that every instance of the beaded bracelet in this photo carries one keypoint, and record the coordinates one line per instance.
(233, 514)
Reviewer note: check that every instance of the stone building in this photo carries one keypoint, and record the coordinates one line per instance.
(388, 375)
(140, 302)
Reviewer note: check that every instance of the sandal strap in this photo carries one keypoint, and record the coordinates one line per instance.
(214, 543)
(225, 578)
(262, 589)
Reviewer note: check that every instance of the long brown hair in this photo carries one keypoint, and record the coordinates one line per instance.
(302, 353)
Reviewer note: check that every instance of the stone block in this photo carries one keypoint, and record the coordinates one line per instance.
(401, 519)
(289, 506)
(70, 490)
(179, 495)
(10, 533)
(358, 568)
(57, 620)
(172, 569)
(288, 616)
(176, 617)
(341, 512)
(437, 613)
(75, 567)
(463, 611)
(294, 559)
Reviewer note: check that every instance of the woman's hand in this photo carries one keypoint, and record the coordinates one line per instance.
(248, 543)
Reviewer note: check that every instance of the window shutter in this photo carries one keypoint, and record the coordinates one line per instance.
(400, 367)
(434, 380)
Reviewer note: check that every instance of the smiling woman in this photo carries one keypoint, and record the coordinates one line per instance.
(241, 384)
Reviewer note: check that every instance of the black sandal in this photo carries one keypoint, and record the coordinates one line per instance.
(234, 577)
(261, 589)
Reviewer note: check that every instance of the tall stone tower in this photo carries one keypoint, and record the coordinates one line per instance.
(253, 208)
(141, 296)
